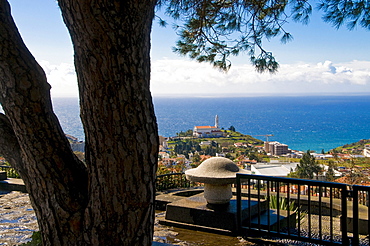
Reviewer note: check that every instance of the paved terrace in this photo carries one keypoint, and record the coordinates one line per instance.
(169, 196)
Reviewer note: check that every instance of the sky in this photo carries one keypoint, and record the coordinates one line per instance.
(320, 60)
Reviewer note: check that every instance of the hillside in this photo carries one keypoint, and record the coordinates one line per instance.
(354, 148)
(230, 137)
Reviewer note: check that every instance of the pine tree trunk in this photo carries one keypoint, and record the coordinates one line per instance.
(112, 46)
(110, 200)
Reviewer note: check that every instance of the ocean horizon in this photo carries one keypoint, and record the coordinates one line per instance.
(302, 122)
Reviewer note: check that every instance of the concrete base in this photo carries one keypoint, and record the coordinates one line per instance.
(11, 184)
(269, 220)
(363, 226)
(195, 210)
(2, 175)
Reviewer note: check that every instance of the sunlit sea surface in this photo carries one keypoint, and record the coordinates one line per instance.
(311, 122)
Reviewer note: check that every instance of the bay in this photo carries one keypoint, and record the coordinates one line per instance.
(305, 122)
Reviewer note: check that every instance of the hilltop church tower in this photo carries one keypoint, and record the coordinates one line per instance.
(208, 131)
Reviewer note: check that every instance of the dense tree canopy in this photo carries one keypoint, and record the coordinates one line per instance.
(212, 31)
(349, 13)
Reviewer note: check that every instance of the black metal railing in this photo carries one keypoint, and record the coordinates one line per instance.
(171, 181)
(361, 217)
(311, 211)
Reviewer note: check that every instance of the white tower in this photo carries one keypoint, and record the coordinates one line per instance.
(216, 121)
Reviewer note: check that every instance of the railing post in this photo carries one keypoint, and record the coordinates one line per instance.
(345, 239)
(355, 240)
(238, 204)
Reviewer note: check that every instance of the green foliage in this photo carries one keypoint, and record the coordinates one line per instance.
(232, 128)
(307, 167)
(284, 204)
(10, 172)
(254, 156)
(192, 145)
(36, 240)
(196, 158)
(188, 133)
(330, 173)
(345, 12)
(186, 146)
(212, 31)
(357, 145)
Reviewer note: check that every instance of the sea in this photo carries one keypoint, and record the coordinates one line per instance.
(302, 122)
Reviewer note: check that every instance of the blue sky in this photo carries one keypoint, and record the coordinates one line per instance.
(320, 59)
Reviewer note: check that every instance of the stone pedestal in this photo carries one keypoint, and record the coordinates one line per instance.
(217, 194)
(195, 211)
(217, 174)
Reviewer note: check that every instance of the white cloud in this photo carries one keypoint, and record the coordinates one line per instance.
(183, 77)
(62, 79)
(192, 78)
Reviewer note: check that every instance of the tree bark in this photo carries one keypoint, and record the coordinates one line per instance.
(110, 200)
(56, 179)
(9, 146)
(112, 45)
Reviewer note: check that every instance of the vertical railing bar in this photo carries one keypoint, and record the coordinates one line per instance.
(331, 214)
(249, 204)
(309, 211)
(299, 209)
(268, 206)
(320, 212)
(288, 212)
(239, 204)
(259, 204)
(355, 216)
(278, 206)
(344, 216)
(368, 213)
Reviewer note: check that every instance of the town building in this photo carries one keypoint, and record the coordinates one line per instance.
(208, 131)
(367, 150)
(273, 169)
(276, 148)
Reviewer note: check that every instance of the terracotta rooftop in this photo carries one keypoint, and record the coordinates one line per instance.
(205, 126)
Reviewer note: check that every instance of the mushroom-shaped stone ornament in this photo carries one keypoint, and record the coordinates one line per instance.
(217, 174)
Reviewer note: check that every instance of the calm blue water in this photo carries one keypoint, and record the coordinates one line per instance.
(312, 122)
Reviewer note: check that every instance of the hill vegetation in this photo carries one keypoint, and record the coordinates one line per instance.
(185, 144)
(353, 148)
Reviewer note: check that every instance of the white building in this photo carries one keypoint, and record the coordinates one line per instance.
(208, 131)
(367, 150)
(275, 169)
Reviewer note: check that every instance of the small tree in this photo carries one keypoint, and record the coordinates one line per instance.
(196, 158)
(232, 128)
(330, 173)
(307, 167)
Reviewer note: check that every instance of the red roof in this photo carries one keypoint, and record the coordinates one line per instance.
(205, 127)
